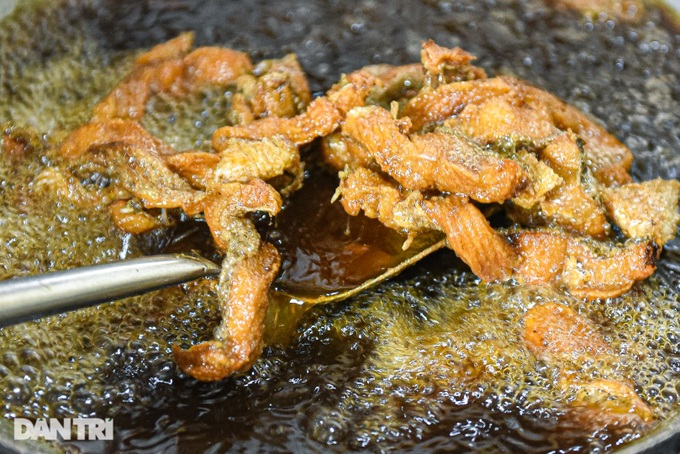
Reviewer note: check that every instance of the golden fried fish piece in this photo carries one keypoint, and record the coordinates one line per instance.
(243, 288)
(645, 210)
(171, 68)
(560, 336)
(440, 160)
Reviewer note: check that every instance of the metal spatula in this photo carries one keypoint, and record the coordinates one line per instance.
(33, 297)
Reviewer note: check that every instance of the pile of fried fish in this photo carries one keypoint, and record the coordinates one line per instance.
(431, 146)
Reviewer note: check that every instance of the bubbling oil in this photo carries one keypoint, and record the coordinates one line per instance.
(80, 363)
(429, 361)
(462, 351)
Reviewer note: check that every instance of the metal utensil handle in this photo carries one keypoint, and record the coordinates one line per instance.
(33, 297)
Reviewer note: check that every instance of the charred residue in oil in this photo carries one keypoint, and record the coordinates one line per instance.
(427, 361)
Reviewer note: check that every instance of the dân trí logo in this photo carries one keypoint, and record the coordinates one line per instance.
(53, 429)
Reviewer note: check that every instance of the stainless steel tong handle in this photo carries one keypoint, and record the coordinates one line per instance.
(33, 297)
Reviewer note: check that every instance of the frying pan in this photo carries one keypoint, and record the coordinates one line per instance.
(333, 37)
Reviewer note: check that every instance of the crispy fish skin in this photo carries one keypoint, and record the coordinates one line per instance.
(592, 275)
(541, 180)
(374, 128)
(131, 219)
(526, 112)
(495, 109)
(465, 168)
(564, 156)
(468, 232)
(541, 256)
(506, 117)
(447, 65)
(434, 105)
(172, 49)
(561, 194)
(439, 160)
(609, 160)
(281, 90)
(645, 210)
(320, 119)
(194, 166)
(138, 172)
(105, 132)
(552, 166)
(471, 237)
(168, 68)
(367, 191)
(340, 150)
(227, 203)
(586, 268)
(244, 284)
(545, 177)
(412, 155)
(266, 158)
(570, 207)
(558, 335)
(323, 116)
(556, 332)
(248, 269)
(608, 403)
